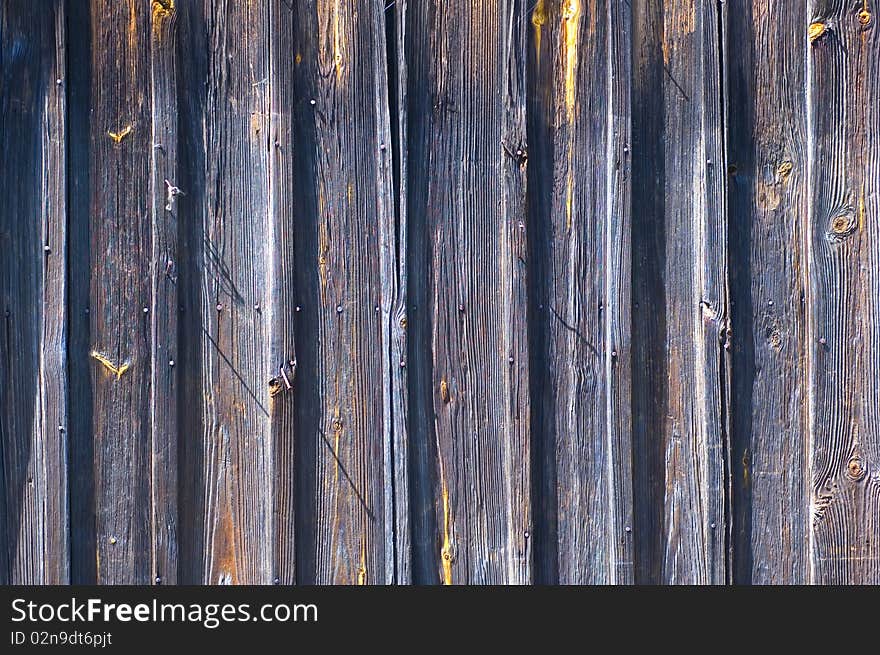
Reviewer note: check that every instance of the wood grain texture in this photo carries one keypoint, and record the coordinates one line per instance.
(842, 50)
(282, 282)
(462, 292)
(397, 100)
(680, 290)
(165, 195)
(347, 263)
(230, 237)
(34, 546)
(467, 256)
(120, 156)
(581, 280)
(768, 195)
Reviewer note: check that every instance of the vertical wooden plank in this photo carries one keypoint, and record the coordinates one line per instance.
(842, 50)
(768, 210)
(397, 80)
(580, 244)
(680, 295)
(165, 195)
(347, 277)
(34, 547)
(467, 257)
(234, 266)
(81, 464)
(282, 282)
(121, 290)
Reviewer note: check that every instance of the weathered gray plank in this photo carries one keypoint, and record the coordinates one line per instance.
(466, 254)
(397, 100)
(231, 234)
(282, 282)
(346, 273)
(34, 546)
(581, 310)
(680, 298)
(842, 49)
(165, 195)
(768, 212)
(120, 158)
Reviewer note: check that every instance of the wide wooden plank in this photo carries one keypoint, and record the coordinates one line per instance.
(34, 546)
(579, 220)
(680, 310)
(346, 263)
(225, 293)
(768, 178)
(120, 157)
(466, 253)
(842, 49)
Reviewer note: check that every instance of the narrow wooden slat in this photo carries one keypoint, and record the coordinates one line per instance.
(165, 194)
(396, 64)
(466, 254)
(346, 266)
(282, 282)
(768, 209)
(580, 235)
(680, 300)
(81, 469)
(33, 283)
(121, 290)
(842, 49)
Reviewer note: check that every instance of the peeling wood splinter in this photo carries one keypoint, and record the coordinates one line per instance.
(172, 193)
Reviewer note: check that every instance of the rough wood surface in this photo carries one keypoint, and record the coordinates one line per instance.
(165, 195)
(34, 546)
(282, 281)
(768, 175)
(842, 51)
(346, 263)
(679, 288)
(579, 216)
(120, 183)
(367, 292)
(229, 240)
(467, 294)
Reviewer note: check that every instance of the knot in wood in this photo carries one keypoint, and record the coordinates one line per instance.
(843, 224)
(855, 470)
(774, 339)
(816, 30)
(784, 169)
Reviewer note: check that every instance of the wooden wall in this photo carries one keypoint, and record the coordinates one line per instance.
(459, 292)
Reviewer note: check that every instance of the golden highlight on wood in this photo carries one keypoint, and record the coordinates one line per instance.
(117, 370)
(539, 18)
(446, 552)
(119, 136)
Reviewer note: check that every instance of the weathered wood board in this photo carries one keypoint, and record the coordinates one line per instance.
(580, 314)
(34, 514)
